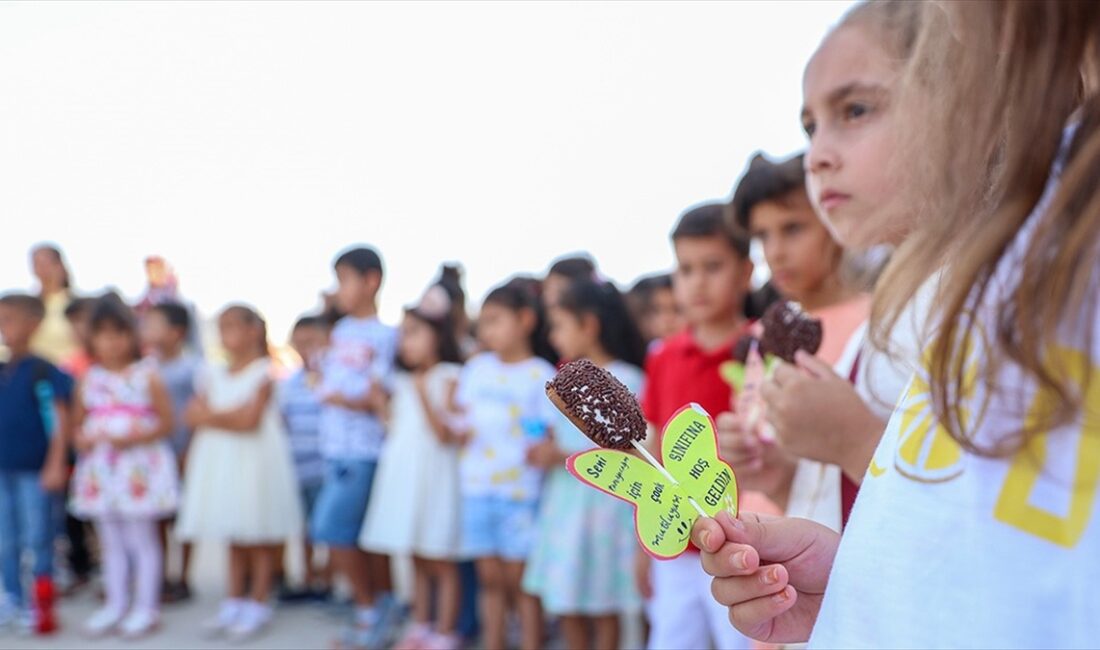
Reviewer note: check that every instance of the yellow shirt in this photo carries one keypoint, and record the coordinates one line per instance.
(54, 340)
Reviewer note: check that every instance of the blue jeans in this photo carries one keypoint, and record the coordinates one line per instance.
(338, 512)
(25, 523)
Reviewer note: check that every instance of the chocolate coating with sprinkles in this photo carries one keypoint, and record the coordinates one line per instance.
(787, 329)
(598, 404)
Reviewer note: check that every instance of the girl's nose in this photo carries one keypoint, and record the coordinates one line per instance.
(821, 155)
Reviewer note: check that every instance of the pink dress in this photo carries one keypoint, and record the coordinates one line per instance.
(135, 483)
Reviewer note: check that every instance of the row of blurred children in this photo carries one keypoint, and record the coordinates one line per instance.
(396, 447)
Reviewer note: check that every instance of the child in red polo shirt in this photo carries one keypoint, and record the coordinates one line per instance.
(710, 283)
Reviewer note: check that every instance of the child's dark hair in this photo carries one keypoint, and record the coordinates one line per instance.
(110, 311)
(177, 316)
(643, 291)
(522, 293)
(30, 305)
(450, 279)
(319, 321)
(251, 317)
(574, 267)
(619, 334)
(758, 301)
(711, 220)
(765, 181)
(363, 259)
(447, 349)
(78, 307)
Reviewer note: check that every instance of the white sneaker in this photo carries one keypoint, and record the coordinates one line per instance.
(9, 614)
(226, 618)
(102, 623)
(253, 619)
(439, 641)
(139, 623)
(28, 621)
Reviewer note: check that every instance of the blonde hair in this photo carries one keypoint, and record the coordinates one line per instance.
(987, 94)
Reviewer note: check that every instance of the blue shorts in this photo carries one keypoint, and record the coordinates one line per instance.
(498, 527)
(341, 505)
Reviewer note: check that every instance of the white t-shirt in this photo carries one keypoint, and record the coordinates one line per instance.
(884, 374)
(947, 548)
(501, 400)
(361, 352)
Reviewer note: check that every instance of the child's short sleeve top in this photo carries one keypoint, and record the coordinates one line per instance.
(361, 354)
(28, 389)
(948, 548)
(507, 407)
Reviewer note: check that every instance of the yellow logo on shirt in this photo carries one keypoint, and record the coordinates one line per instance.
(1041, 495)
(1021, 503)
(925, 450)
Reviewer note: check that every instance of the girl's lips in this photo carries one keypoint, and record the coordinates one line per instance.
(830, 200)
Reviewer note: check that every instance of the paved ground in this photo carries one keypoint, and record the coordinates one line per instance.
(295, 626)
(302, 627)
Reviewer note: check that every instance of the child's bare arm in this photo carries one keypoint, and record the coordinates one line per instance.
(245, 418)
(438, 424)
(162, 406)
(81, 441)
(55, 469)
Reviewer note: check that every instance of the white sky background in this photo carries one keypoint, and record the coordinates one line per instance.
(249, 142)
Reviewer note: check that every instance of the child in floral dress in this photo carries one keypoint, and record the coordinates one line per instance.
(125, 478)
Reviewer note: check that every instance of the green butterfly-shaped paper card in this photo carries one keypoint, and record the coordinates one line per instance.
(663, 515)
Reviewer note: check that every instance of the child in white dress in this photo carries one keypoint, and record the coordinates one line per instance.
(240, 486)
(125, 478)
(415, 508)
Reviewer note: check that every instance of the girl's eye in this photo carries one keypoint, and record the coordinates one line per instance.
(856, 111)
(808, 127)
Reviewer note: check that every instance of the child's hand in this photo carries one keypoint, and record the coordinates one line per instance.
(336, 399)
(53, 476)
(136, 436)
(738, 446)
(545, 454)
(758, 464)
(818, 415)
(197, 413)
(770, 572)
(85, 441)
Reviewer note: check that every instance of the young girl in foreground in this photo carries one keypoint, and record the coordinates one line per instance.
(1002, 409)
(240, 486)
